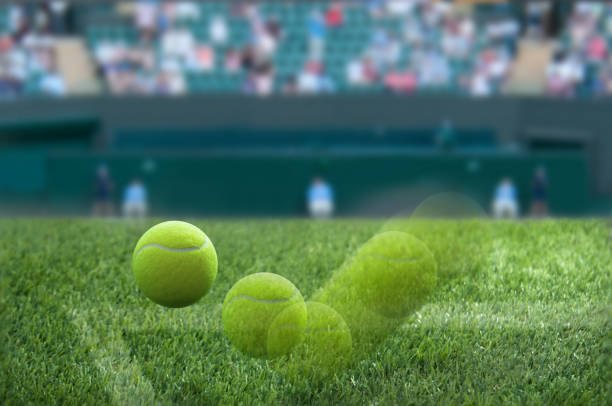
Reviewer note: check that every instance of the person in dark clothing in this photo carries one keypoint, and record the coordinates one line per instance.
(103, 187)
(539, 193)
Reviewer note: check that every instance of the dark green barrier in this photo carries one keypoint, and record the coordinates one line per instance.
(275, 184)
(309, 139)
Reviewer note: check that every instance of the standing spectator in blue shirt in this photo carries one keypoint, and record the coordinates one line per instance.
(505, 201)
(135, 200)
(320, 199)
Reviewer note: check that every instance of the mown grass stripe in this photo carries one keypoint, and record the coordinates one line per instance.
(125, 382)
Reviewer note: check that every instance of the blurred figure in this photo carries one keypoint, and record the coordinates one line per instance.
(316, 36)
(320, 199)
(539, 193)
(103, 187)
(334, 17)
(218, 31)
(505, 202)
(445, 137)
(135, 200)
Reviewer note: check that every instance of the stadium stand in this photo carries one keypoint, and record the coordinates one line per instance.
(27, 53)
(309, 47)
(582, 63)
(426, 46)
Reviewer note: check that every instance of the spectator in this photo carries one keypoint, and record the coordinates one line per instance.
(505, 202)
(218, 31)
(52, 83)
(146, 16)
(445, 137)
(313, 79)
(290, 85)
(204, 59)
(232, 61)
(103, 187)
(316, 36)
(334, 17)
(401, 82)
(354, 72)
(135, 200)
(320, 199)
(539, 193)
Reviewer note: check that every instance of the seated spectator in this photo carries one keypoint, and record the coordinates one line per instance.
(218, 31)
(354, 72)
(232, 60)
(368, 71)
(204, 59)
(320, 199)
(316, 36)
(185, 10)
(178, 44)
(146, 15)
(597, 49)
(400, 8)
(52, 83)
(135, 200)
(334, 17)
(313, 80)
(290, 85)
(401, 82)
(308, 80)
(505, 202)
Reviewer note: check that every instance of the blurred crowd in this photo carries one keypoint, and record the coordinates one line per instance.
(582, 63)
(436, 45)
(167, 51)
(28, 59)
(442, 47)
(401, 46)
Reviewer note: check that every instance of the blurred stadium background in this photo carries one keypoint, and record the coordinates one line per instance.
(233, 108)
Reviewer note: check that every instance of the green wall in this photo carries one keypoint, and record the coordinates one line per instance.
(225, 185)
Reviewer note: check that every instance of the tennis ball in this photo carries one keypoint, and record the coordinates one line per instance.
(264, 315)
(325, 348)
(327, 338)
(174, 263)
(393, 274)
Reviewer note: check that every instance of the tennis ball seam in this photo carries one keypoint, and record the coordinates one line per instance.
(254, 299)
(163, 247)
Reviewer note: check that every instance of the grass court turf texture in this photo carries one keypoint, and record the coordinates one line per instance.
(530, 324)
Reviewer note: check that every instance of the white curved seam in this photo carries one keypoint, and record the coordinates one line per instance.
(392, 259)
(171, 249)
(253, 299)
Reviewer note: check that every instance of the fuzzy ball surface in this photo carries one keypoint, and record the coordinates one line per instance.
(264, 315)
(393, 273)
(174, 263)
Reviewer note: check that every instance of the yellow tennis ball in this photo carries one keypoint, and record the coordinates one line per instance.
(393, 273)
(174, 263)
(327, 341)
(264, 315)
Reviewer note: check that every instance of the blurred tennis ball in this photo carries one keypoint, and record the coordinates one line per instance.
(393, 274)
(325, 349)
(264, 315)
(451, 226)
(174, 263)
(327, 339)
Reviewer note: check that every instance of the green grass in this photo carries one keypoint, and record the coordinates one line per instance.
(530, 324)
